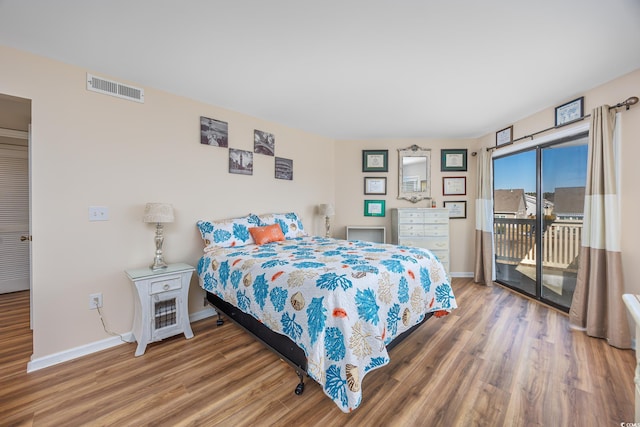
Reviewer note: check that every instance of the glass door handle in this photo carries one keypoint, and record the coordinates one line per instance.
(24, 238)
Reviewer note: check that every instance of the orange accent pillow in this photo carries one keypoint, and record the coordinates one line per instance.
(266, 234)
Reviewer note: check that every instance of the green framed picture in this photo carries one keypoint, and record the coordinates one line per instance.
(375, 160)
(374, 208)
(453, 160)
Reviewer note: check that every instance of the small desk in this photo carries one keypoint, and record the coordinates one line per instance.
(367, 233)
(633, 305)
(162, 303)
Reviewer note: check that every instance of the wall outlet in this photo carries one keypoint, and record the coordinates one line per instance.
(95, 301)
(98, 213)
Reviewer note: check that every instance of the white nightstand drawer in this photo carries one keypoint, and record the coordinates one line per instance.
(161, 306)
(165, 285)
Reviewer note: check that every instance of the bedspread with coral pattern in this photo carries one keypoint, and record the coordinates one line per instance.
(340, 301)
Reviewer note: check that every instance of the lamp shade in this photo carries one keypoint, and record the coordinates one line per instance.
(327, 209)
(158, 212)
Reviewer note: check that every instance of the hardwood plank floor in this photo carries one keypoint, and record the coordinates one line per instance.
(498, 360)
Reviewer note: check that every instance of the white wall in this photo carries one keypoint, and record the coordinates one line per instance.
(350, 195)
(91, 149)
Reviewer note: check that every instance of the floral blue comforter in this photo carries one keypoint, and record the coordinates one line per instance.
(340, 301)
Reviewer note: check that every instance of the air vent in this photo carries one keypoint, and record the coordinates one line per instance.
(109, 87)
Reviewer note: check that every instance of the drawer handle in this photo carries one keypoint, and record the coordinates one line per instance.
(166, 287)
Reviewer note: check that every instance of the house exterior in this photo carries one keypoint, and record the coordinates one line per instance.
(509, 203)
(569, 203)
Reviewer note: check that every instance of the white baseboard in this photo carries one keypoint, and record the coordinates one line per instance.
(84, 350)
(461, 274)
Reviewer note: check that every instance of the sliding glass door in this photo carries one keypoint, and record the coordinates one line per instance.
(538, 213)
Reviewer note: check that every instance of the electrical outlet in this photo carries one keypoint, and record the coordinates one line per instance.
(98, 213)
(95, 301)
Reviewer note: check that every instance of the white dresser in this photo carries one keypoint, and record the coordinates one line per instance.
(423, 227)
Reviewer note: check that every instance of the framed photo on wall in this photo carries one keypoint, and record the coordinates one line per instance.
(457, 209)
(375, 185)
(454, 186)
(375, 160)
(374, 208)
(570, 112)
(453, 160)
(504, 136)
(284, 168)
(214, 132)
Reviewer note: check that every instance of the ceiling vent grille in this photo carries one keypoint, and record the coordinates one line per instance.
(110, 87)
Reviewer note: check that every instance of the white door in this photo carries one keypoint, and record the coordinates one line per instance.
(14, 218)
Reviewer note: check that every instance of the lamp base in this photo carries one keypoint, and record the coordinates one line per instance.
(158, 260)
(158, 264)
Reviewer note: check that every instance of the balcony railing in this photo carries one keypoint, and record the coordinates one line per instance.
(515, 242)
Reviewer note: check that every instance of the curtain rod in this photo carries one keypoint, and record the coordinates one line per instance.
(627, 103)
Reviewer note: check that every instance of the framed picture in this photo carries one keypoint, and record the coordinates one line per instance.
(504, 136)
(457, 209)
(284, 168)
(375, 185)
(240, 161)
(264, 143)
(453, 160)
(375, 160)
(214, 132)
(454, 186)
(570, 112)
(374, 208)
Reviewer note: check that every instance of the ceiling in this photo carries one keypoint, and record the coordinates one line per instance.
(346, 69)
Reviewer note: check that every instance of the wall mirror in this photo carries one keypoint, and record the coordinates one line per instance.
(414, 179)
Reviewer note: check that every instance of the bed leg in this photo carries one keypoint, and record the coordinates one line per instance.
(220, 320)
(300, 387)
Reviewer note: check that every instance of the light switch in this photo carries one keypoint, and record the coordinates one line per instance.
(98, 213)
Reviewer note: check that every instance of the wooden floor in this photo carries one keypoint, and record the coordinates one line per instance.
(498, 360)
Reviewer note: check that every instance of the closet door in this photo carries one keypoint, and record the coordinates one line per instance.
(14, 219)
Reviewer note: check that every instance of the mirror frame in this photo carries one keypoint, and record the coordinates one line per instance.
(414, 151)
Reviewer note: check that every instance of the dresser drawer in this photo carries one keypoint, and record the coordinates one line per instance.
(431, 243)
(443, 256)
(423, 229)
(165, 285)
(411, 217)
(422, 217)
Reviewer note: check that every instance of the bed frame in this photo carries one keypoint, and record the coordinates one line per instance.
(282, 345)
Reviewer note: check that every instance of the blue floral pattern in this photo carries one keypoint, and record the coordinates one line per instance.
(340, 302)
(229, 232)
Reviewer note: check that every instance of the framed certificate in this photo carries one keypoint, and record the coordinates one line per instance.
(375, 185)
(454, 186)
(504, 136)
(375, 160)
(453, 160)
(374, 208)
(457, 209)
(570, 112)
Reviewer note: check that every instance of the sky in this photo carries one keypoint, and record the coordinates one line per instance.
(562, 166)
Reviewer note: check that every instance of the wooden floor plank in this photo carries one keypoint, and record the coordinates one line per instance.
(498, 360)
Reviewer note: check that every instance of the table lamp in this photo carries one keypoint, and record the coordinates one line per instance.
(158, 213)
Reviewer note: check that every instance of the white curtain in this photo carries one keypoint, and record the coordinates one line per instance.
(484, 271)
(597, 305)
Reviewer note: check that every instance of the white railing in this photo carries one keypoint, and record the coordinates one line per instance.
(515, 242)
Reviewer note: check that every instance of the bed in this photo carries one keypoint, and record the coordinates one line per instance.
(332, 308)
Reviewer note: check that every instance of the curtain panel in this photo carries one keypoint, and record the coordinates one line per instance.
(597, 305)
(484, 271)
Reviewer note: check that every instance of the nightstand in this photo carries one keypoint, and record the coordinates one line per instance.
(161, 304)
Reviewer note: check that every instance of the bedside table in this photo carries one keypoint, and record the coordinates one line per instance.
(161, 304)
